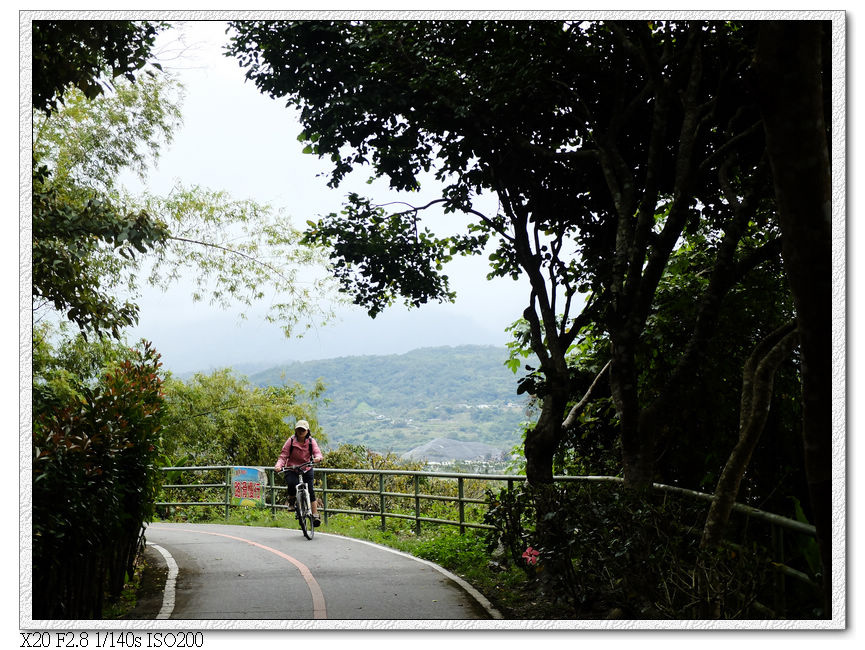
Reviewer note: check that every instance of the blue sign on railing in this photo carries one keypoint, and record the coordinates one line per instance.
(248, 486)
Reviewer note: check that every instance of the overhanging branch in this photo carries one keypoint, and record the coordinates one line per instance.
(233, 252)
(575, 410)
(485, 219)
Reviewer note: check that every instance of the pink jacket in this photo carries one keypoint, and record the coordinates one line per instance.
(299, 452)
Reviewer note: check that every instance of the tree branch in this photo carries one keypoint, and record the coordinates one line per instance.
(485, 219)
(757, 380)
(575, 410)
(730, 144)
(232, 251)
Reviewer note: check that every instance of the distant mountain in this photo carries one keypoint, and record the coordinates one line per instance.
(239, 368)
(400, 402)
(442, 450)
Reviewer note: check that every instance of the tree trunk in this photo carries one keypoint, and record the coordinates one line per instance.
(757, 381)
(543, 439)
(789, 65)
(637, 442)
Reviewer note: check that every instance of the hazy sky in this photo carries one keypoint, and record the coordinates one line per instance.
(236, 139)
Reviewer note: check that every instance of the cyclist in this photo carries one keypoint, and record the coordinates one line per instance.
(299, 449)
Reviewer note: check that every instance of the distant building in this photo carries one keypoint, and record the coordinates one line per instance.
(442, 450)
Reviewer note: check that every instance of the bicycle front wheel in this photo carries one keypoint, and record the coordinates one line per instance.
(306, 523)
(310, 526)
(301, 518)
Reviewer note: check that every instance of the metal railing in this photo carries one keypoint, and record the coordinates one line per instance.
(275, 493)
(275, 502)
(416, 497)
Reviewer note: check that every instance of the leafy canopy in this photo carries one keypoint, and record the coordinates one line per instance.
(239, 252)
(87, 54)
(415, 97)
(78, 229)
(606, 143)
(68, 235)
(526, 110)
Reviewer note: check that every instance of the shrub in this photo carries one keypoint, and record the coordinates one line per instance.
(601, 547)
(348, 456)
(94, 482)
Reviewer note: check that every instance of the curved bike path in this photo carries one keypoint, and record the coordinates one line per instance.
(252, 573)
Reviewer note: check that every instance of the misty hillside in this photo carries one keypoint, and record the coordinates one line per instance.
(399, 402)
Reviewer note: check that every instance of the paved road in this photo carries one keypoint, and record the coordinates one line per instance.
(243, 573)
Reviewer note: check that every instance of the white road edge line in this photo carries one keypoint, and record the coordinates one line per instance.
(478, 596)
(170, 583)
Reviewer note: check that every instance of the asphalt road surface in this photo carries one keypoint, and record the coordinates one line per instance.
(242, 573)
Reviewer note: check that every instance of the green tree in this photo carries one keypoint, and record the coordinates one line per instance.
(604, 142)
(222, 419)
(87, 54)
(74, 225)
(88, 240)
(239, 251)
(68, 234)
(96, 421)
(87, 142)
(693, 444)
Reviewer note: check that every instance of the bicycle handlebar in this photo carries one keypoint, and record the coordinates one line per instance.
(297, 468)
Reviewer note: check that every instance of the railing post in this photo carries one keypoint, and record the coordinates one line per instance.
(780, 582)
(462, 505)
(324, 495)
(227, 490)
(381, 499)
(417, 505)
(271, 480)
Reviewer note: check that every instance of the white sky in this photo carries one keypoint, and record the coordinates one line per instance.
(236, 139)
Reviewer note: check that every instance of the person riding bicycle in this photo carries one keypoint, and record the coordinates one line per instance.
(299, 449)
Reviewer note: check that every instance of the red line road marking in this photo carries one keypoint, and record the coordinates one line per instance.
(319, 609)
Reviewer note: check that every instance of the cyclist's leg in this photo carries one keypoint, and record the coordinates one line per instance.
(291, 480)
(308, 478)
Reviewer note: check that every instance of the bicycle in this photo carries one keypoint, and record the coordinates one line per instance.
(302, 503)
